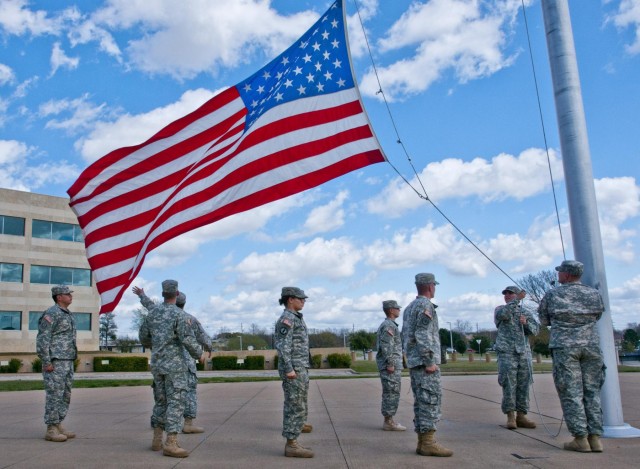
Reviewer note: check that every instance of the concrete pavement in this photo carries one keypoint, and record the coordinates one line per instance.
(243, 422)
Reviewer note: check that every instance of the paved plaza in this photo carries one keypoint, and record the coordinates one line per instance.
(243, 422)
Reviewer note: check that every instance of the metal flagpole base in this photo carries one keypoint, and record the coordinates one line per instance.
(621, 431)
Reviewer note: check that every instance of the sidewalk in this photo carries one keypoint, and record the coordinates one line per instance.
(243, 422)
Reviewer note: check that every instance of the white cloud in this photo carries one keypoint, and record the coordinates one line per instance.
(16, 18)
(505, 176)
(628, 16)
(78, 114)
(60, 60)
(6, 75)
(467, 37)
(324, 218)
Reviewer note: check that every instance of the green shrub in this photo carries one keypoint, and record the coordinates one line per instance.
(339, 360)
(224, 362)
(199, 366)
(316, 361)
(254, 362)
(121, 364)
(275, 362)
(13, 366)
(36, 365)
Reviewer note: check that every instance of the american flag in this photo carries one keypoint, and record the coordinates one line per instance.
(293, 125)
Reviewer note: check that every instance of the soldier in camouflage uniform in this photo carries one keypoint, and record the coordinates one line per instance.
(168, 331)
(292, 343)
(572, 311)
(56, 348)
(389, 360)
(191, 404)
(421, 341)
(515, 323)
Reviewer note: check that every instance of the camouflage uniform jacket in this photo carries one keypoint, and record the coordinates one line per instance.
(167, 330)
(511, 334)
(292, 342)
(56, 336)
(389, 345)
(572, 310)
(420, 333)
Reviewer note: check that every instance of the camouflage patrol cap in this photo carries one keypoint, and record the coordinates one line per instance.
(170, 286)
(388, 304)
(512, 289)
(293, 291)
(423, 279)
(61, 290)
(574, 268)
(181, 300)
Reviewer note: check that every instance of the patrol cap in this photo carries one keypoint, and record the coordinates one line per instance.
(512, 289)
(293, 291)
(61, 290)
(571, 267)
(423, 279)
(388, 304)
(170, 286)
(181, 299)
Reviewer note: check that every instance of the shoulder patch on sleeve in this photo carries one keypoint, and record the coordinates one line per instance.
(427, 313)
(286, 322)
(47, 318)
(390, 332)
(284, 330)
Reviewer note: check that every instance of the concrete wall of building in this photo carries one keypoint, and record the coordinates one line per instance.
(25, 250)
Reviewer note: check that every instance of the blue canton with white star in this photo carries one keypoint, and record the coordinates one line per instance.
(316, 64)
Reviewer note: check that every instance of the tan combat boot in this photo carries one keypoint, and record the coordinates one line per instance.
(595, 444)
(511, 420)
(307, 428)
(293, 450)
(171, 447)
(189, 427)
(427, 446)
(65, 432)
(156, 443)
(523, 422)
(390, 425)
(579, 444)
(53, 434)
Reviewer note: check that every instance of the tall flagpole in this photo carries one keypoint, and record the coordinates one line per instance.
(583, 211)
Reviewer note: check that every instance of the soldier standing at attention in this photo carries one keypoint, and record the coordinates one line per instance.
(292, 343)
(167, 331)
(56, 348)
(421, 339)
(572, 311)
(389, 360)
(191, 404)
(515, 324)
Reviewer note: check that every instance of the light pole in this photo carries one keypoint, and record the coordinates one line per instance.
(479, 341)
(450, 337)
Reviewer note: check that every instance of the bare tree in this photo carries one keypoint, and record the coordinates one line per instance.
(536, 285)
(138, 317)
(462, 326)
(108, 328)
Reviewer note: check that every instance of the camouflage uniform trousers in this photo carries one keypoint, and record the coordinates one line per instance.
(295, 404)
(578, 373)
(427, 399)
(57, 386)
(390, 391)
(169, 393)
(191, 402)
(514, 375)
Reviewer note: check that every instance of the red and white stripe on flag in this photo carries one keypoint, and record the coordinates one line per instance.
(286, 129)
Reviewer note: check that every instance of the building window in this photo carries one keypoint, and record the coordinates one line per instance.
(10, 320)
(56, 231)
(10, 272)
(60, 275)
(11, 225)
(83, 320)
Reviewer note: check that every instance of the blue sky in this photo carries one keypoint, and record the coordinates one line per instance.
(79, 79)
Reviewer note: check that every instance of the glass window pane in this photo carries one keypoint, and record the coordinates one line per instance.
(83, 321)
(61, 276)
(10, 272)
(34, 317)
(12, 226)
(82, 277)
(40, 274)
(41, 229)
(10, 320)
(77, 234)
(61, 231)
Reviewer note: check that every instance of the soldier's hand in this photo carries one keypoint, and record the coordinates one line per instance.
(391, 369)
(137, 291)
(49, 368)
(291, 375)
(431, 369)
(202, 358)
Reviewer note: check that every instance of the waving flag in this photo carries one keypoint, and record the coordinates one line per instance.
(293, 125)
